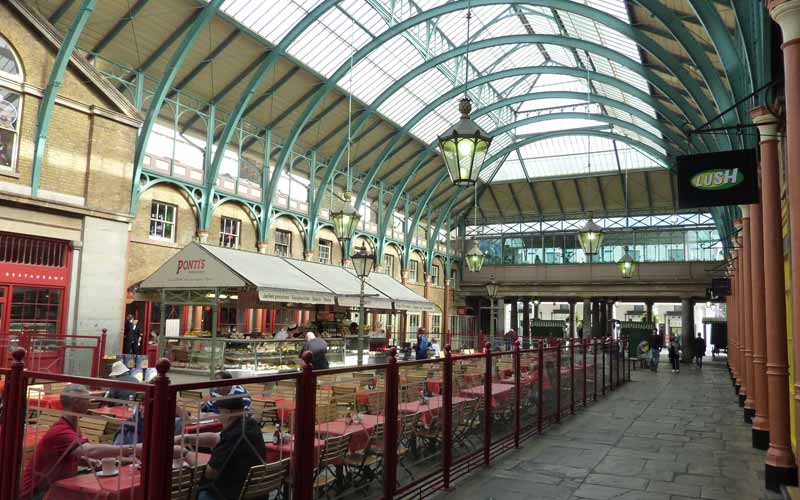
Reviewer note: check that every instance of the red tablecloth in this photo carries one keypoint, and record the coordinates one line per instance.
(123, 412)
(51, 401)
(435, 386)
(430, 409)
(472, 378)
(125, 485)
(500, 393)
(360, 431)
(362, 397)
(284, 407)
(277, 452)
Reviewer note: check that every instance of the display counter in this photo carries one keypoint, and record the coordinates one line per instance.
(256, 356)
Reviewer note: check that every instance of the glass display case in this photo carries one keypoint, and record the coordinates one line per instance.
(256, 356)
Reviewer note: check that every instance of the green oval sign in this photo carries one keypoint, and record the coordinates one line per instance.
(712, 180)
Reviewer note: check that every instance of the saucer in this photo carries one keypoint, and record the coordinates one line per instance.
(100, 473)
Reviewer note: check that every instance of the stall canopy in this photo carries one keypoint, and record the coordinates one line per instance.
(278, 279)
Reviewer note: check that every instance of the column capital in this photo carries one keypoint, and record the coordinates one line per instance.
(766, 122)
(201, 236)
(787, 14)
(262, 246)
(308, 255)
(745, 211)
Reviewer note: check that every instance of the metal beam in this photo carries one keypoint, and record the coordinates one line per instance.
(166, 44)
(529, 183)
(580, 197)
(602, 193)
(558, 196)
(60, 11)
(647, 190)
(514, 198)
(208, 59)
(53, 85)
(494, 199)
(117, 28)
(201, 19)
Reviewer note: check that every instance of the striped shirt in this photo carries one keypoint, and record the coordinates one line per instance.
(211, 406)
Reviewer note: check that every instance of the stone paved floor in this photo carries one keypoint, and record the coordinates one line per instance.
(662, 436)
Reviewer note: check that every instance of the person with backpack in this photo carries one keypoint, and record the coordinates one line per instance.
(675, 355)
(699, 349)
(421, 348)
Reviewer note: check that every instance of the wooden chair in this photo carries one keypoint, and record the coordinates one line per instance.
(254, 389)
(333, 454)
(183, 483)
(94, 429)
(409, 423)
(190, 395)
(344, 396)
(326, 413)
(263, 480)
(374, 405)
(55, 387)
(368, 462)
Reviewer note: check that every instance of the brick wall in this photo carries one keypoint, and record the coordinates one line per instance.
(248, 232)
(284, 223)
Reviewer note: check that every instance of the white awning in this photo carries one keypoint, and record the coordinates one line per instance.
(404, 298)
(343, 283)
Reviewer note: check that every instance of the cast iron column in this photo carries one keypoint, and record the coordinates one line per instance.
(749, 402)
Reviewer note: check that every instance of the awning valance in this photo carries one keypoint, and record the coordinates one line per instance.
(344, 284)
(403, 298)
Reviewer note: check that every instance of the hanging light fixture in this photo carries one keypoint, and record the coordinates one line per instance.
(346, 219)
(474, 258)
(627, 265)
(590, 237)
(465, 145)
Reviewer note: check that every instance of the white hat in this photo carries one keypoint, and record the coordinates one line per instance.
(118, 368)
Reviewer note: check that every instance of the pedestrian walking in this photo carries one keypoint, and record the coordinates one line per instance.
(699, 350)
(675, 355)
(655, 350)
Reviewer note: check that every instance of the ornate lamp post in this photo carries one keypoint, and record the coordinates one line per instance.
(491, 290)
(363, 264)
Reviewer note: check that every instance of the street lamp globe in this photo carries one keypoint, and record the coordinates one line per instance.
(345, 219)
(491, 288)
(474, 258)
(627, 265)
(363, 262)
(590, 237)
(464, 147)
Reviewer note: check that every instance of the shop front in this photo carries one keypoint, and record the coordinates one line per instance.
(236, 309)
(34, 289)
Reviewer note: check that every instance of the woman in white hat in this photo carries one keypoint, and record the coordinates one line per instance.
(122, 373)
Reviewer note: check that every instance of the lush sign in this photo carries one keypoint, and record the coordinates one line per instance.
(717, 179)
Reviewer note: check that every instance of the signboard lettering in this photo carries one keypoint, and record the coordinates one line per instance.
(190, 265)
(717, 179)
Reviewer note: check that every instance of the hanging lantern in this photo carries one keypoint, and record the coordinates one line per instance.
(627, 266)
(464, 147)
(474, 258)
(491, 288)
(346, 219)
(590, 237)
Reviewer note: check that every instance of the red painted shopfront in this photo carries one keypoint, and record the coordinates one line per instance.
(34, 289)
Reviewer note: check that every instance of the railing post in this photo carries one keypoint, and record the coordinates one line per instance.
(447, 416)
(626, 351)
(594, 353)
(12, 421)
(585, 370)
(572, 375)
(540, 369)
(517, 391)
(487, 404)
(306, 397)
(99, 354)
(391, 424)
(611, 364)
(558, 382)
(159, 435)
(603, 356)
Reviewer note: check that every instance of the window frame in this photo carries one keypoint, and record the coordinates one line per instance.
(413, 271)
(223, 233)
(173, 223)
(328, 246)
(388, 264)
(434, 275)
(12, 82)
(288, 245)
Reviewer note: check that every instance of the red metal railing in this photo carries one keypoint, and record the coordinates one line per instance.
(516, 395)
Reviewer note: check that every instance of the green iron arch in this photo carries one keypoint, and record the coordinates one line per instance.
(556, 40)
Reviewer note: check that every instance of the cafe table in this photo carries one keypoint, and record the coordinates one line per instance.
(283, 406)
(500, 393)
(123, 486)
(122, 412)
(359, 431)
(277, 452)
(430, 407)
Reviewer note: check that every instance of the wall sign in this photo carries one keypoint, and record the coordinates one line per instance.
(717, 179)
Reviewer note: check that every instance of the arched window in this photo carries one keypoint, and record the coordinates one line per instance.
(10, 105)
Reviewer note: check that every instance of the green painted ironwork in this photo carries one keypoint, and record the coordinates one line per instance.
(164, 85)
(53, 84)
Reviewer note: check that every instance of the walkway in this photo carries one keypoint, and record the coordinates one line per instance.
(664, 436)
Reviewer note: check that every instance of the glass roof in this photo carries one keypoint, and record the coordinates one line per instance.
(330, 41)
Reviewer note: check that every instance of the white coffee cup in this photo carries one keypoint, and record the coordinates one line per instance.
(109, 466)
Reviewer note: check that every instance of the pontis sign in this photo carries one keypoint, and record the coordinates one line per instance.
(189, 265)
(193, 267)
(717, 179)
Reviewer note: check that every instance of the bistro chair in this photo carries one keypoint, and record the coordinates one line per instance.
(368, 462)
(407, 441)
(183, 482)
(254, 389)
(374, 404)
(263, 480)
(330, 467)
(464, 424)
(326, 413)
(95, 429)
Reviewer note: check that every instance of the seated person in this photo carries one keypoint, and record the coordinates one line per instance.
(132, 430)
(62, 448)
(435, 347)
(121, 372)
(218, 392)
(234, 451)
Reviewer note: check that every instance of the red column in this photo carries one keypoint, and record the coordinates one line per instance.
(749, 402)
(304, 451)
(760, 434)
(446, 314)
(390, 433)
(12, 420)
(780, 463)
(447, 417)
(197, 319)
(159, 435)
(259, 321)
(733, 343)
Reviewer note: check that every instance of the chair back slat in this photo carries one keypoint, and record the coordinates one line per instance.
(336, 449)
(264, 479)
(182, 484)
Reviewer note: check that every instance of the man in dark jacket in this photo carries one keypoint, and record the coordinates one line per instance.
(699, 349)
(318, 349)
